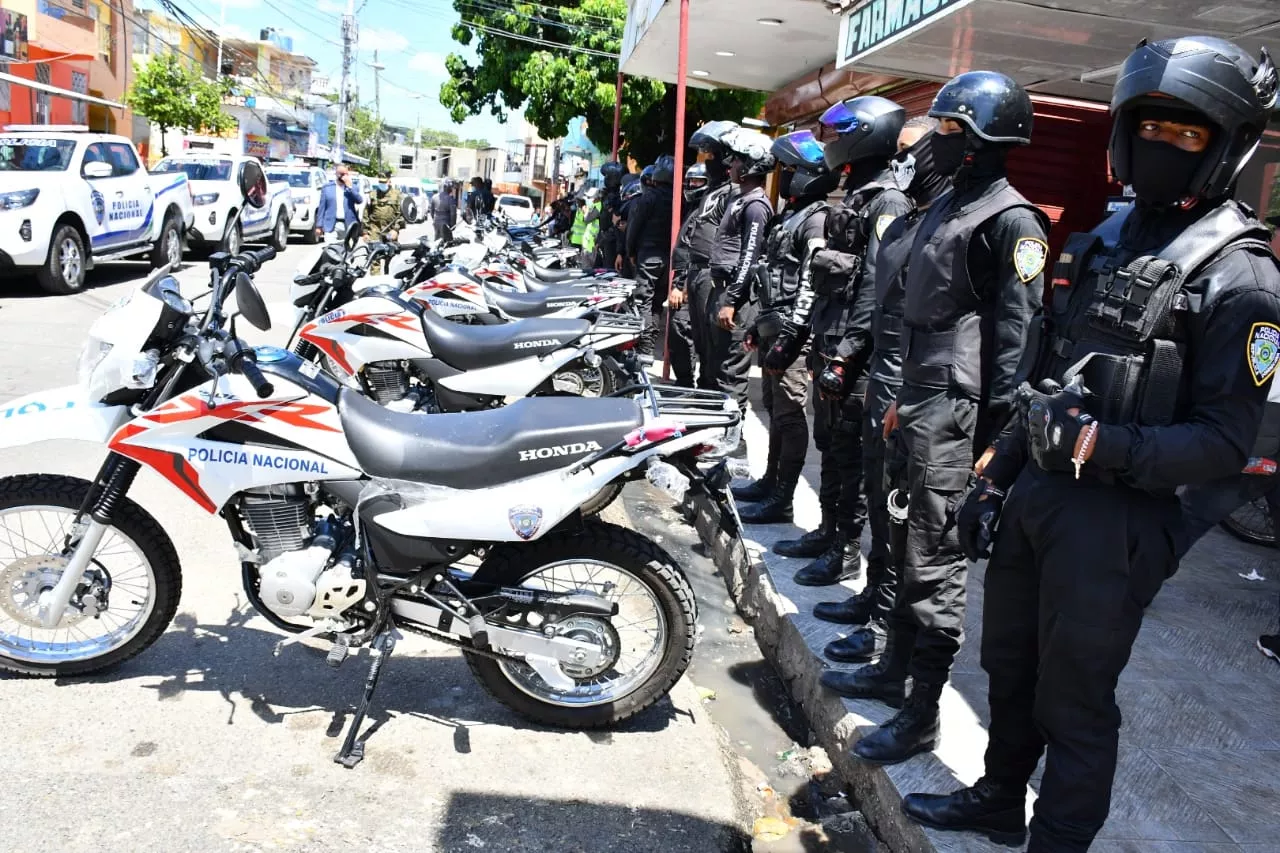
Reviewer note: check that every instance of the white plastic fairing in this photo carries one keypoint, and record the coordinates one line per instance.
(58, 414)
(108, 360)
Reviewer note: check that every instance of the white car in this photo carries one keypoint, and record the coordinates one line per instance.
(216, 193)
(70, 198)
(518, 208)
(304, 183)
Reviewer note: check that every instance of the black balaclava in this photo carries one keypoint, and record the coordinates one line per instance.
(863, 172)
(717, 171)
(917, 172)
(1161, 173)
(784, 182)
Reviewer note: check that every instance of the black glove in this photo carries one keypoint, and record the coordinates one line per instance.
(976, 519)
(834, 381)
(786, 347)
(751, 337)
(1055, 436)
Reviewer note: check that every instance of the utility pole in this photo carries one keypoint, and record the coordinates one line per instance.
(222, 25)
(348, 43)
(377, 106)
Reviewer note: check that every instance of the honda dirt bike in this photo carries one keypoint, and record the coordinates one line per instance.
(350, 520)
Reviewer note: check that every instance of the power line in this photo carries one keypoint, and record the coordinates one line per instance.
(491, 6)
(540, 42)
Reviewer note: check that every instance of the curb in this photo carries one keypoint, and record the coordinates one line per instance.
(748, 582)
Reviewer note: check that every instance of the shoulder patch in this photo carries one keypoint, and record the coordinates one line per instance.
(1029, 256)
(883, 223)
(1263, 352)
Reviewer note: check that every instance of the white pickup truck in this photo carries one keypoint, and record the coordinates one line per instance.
(216, 193)
(70, 198)
(305, 183)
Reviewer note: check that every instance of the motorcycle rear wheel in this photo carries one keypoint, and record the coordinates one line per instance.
(1251, 523)
(602, 499)
(151, 594)
(634, 558)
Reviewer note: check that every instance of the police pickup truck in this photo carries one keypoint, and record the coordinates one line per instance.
(215, 189)
(70, 198)
(305, 184)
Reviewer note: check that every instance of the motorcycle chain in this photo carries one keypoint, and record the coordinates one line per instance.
(450, 640)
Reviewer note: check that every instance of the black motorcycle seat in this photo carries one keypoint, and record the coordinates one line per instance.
(535, 304)
(551, 276)
(475, 450)
(468, 347)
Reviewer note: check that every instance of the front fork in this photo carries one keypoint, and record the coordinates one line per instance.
(109, 488)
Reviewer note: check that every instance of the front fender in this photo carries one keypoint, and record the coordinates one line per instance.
(58, 414)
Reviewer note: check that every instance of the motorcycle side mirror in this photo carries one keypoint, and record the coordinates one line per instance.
(250, 303)
(354, 230)
(253, 184)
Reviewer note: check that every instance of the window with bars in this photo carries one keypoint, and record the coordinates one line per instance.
(43, 100)
(4, 89)
(79, 109)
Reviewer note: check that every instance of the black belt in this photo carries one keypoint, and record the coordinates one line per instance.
(927, 357)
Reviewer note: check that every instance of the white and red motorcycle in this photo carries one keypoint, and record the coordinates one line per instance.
(350, 519)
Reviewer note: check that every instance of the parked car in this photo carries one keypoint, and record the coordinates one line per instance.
(216, 193)
(517, 207)
(70, 198)
(304, 189)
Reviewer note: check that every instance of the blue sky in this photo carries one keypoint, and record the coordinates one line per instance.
(412, 38)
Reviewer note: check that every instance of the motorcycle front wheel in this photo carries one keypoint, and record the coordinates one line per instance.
(133, 581)
(1251, 523)
(650, 639)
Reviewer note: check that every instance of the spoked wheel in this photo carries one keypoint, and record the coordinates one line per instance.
(1252, 523)
(126, 599)
(647, 645)
(580, 379)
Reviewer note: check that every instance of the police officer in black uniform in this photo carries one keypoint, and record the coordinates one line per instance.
(974, 281)
(915, 173)
(682, 351)
(739, 244)
(694, 245)
(781, 275)
(607, 245)
(1164, 328)
(649, 247)
(843, 285)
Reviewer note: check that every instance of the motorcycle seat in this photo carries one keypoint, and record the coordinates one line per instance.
(476, 450)
(535, 304)
(473, 347)
(551, 276)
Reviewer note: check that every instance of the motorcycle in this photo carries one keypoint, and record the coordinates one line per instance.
(351, 521)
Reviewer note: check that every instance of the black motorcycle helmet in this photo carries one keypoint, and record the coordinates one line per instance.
(867, 128)
(695, 183)
(801, 154)
(752, 147)
(664, 170)
(646, 176)
(611, 174)
(632, 189)
(1209, 76)
(708, 137)
(992, 108)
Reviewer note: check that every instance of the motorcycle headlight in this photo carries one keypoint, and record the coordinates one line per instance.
(145, 366)
(15, 200)
(204, 198)
(91, 355)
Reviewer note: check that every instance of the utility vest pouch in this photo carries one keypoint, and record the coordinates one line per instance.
(950, 359)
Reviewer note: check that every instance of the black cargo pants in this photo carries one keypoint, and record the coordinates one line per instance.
(784, 396)
(1075, 564)
(701, 324)
(884, 559)
(649, 294)
(837, 433)
(937, 429)
(727, 357)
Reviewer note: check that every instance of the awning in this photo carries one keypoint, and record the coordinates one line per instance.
(35, 51)
(60, 92)
(1068, 48)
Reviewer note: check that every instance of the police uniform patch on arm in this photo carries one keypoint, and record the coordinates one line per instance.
(1029, 256)
(1263, 353)
(882, 224)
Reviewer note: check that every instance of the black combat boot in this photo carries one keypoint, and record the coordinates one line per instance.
(842, 561)
(756, 490)
(812, 544)
(775, 509)
(997, 810)
(854, 610)
(863, 645)
(913, 730)
(885, 680)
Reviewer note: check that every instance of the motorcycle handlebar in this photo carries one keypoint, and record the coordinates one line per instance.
(241, 359)
(252, 260)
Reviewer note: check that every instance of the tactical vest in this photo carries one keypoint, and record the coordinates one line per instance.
(1122, 326)
(698, 233)
(848, 231)
(942, 322)
(781, 280)
(727, 250)
(886, 321)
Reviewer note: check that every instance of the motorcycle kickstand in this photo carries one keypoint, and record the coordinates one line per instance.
(352, 752)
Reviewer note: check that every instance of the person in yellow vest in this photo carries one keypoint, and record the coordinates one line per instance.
(590, 220)
(577, 210)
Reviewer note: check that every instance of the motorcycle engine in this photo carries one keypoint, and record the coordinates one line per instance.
(386, 381)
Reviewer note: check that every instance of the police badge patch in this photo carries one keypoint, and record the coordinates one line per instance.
(1029, 256)
(882, 225)
(525, 521)
(1264, 351)
(99, 206)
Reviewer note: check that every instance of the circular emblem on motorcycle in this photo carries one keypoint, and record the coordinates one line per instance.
(267, 355)
(99, 206)
(525, 520)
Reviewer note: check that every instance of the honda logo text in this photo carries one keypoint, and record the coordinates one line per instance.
(558, 450)
(546, 342)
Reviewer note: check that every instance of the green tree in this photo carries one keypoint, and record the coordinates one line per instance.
(553, 86)
(171, 95)
(360, 138)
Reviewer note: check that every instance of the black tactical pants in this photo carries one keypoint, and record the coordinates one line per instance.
(649, 294)
(883, 561)
(785, 395)
(837, 433)
(726, 356)
(701, 324)
(443, 231)
(1075, 564)
(937, 434)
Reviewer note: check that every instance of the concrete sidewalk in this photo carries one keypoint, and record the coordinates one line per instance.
(1199, 762)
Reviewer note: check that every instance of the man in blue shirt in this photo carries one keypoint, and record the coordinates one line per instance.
(327, 212)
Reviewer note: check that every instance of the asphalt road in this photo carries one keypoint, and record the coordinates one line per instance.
(206, 742)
